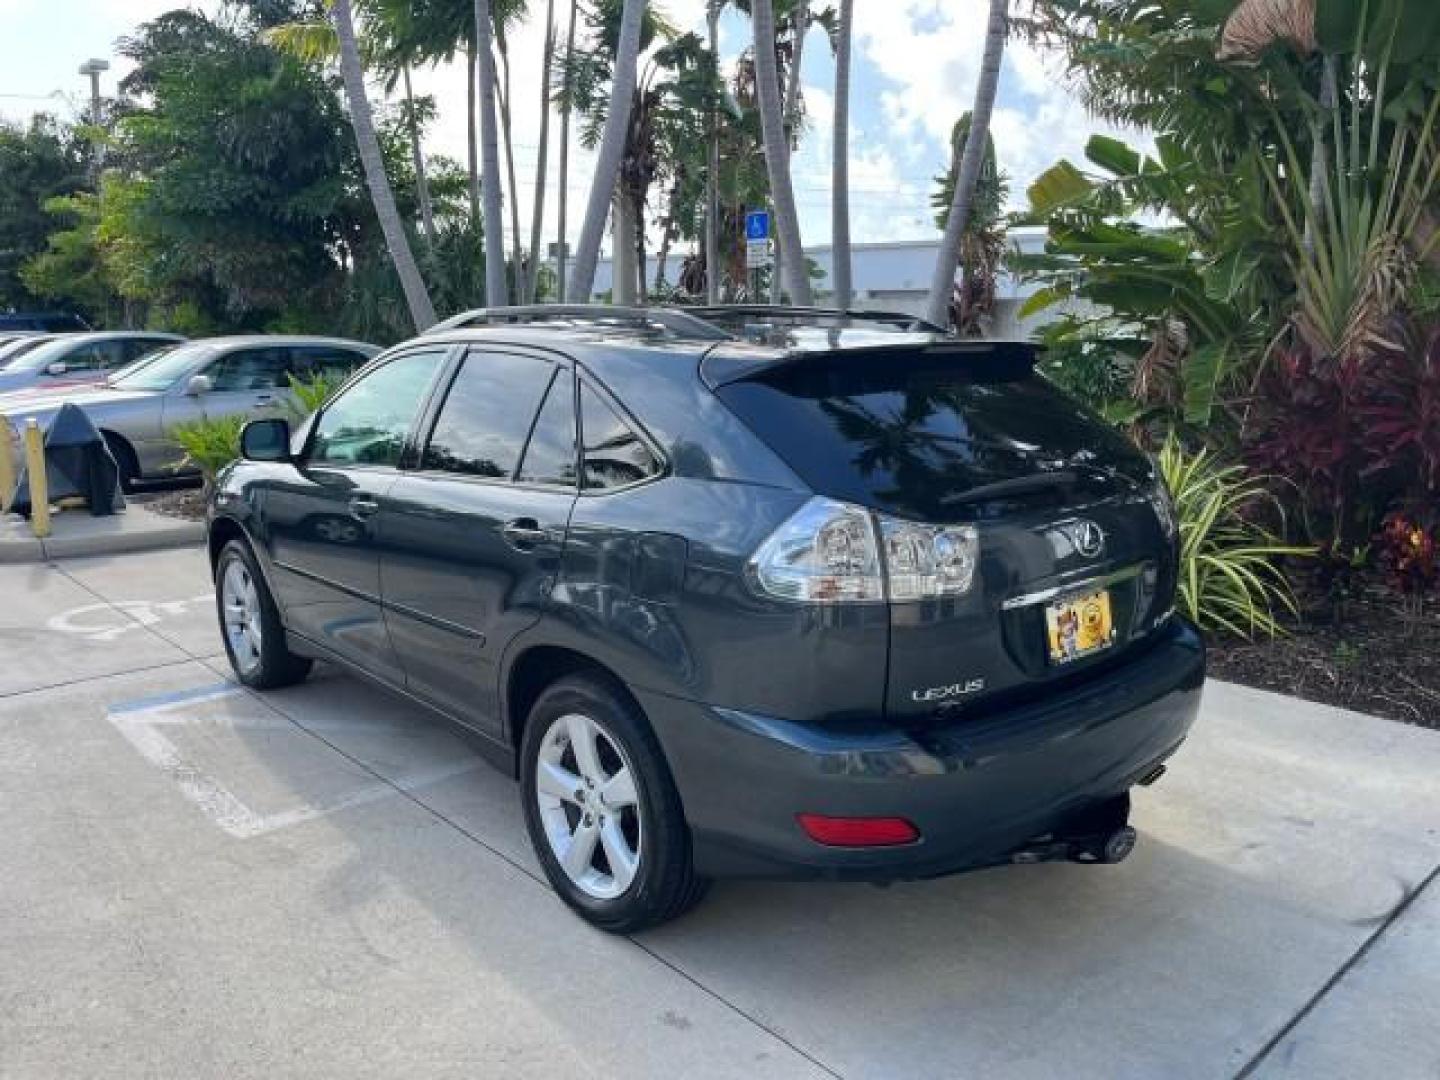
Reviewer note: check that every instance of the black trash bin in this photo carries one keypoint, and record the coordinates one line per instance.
(77, 462)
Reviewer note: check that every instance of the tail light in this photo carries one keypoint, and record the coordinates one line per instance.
(832, 552)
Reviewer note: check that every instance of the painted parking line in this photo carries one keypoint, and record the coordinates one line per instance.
(144, 723)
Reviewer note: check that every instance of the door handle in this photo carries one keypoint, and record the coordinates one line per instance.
(362, 508)
(524, 533)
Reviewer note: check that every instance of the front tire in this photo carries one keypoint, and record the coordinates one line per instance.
(250, 623)
(602, 810)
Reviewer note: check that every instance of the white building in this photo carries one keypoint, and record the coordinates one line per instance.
(892, 276)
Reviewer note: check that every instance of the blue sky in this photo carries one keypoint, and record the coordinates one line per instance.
(915, 67)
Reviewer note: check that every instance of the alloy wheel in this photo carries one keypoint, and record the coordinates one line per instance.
(240, 602)
(589, 806)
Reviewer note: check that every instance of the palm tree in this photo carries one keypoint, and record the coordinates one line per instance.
(612, 148)
(712, 173)
(567, 107)
(494, 223)
(417, 158)
(422, 311)
(942, 284)
(777, 153)
(840, 185)
(537, 218)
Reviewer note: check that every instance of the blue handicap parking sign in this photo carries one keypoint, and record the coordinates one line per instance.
(757, 225)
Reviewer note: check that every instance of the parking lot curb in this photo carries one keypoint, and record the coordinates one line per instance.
(77, 535)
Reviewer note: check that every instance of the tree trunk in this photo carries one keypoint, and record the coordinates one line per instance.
(495, 289)
(422, 312)
(537, 216)
(792, 125)
(623, 271)
(777, 155)
(561, 255)
(942, 285)
(840, 186)
(417, 155)
(517, 251)
(472, 149)
(612, 148)
(712, 179)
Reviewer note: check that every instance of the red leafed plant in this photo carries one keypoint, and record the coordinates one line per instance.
(1399, 415)
(1410, 554)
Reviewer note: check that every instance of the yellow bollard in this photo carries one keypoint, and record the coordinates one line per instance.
(35, 473)
(7, 464)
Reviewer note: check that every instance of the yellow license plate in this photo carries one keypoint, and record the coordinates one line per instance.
(1079, 626)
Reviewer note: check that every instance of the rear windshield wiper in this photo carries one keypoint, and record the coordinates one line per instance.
(1014, 487)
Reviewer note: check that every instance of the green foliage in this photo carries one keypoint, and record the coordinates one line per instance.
(238, 177)
(310, 393)
(38, 163)
(1230, 577)
(210, 444)
(72, 270)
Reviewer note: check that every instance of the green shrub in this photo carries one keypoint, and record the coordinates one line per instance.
(310, 393)
(1230, 578)
(210, 444)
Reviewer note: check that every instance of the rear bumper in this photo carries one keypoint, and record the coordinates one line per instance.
(977, 789)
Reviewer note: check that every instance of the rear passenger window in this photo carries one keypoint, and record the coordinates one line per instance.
(249, 369)
(487, 415)
(323, 361)
(614, 454)
(550, 457)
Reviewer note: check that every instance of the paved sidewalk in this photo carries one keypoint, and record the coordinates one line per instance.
(323, 882)
(75, 534)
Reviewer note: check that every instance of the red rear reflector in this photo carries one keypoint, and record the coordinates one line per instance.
(858, 831)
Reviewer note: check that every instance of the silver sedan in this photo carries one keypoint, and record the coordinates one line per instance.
(138, 409)
(64, 361)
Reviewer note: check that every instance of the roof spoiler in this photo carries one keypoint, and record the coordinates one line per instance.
(999, 360)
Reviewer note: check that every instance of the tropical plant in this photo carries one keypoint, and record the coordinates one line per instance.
(422, 311)
(982, 244)
(840, 180)
(496, 290)
(612, 149)
(1410, 554)
(40, 162)
(1230, 576)
(777, 153)
(947, 260)
(309, 392)
(210, 444)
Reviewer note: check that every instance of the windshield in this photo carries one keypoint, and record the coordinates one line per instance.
(163, 371)
(11, 351)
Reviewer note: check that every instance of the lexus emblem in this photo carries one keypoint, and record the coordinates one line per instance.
(1089, 538)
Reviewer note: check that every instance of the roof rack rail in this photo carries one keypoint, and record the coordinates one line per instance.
(789, 314)
(678, 323)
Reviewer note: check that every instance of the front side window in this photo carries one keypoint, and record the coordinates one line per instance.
(615, 455)
(487, 414)
(249, 369)
(368, 423)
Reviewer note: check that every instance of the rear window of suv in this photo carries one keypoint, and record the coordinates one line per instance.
(908, 434)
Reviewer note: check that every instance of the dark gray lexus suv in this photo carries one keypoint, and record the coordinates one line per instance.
(761, 593)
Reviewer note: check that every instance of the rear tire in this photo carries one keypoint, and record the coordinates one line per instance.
(250, 623)
(602, 810)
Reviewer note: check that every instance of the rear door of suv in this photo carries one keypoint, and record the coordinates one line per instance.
(473, 537)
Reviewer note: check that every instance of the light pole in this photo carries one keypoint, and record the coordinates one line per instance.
(93, 68)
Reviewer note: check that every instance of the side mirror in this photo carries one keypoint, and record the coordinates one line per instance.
(198, 385)
(265, 440)
(59, 367)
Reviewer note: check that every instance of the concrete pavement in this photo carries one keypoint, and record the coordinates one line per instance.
(324, 882)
